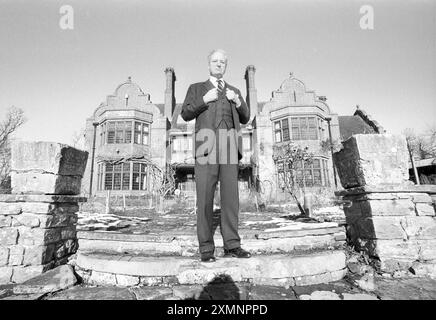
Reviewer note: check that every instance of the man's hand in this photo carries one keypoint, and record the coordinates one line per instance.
(233, 96)
(211, 95)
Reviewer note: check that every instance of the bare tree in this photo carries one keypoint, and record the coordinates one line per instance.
(290, 158)
(327, 146)
(431, 141)
(13, 120)
(5, 156)
(162, 180)
(256, 192)
(164, 183)
(422, 145)
(78, 139)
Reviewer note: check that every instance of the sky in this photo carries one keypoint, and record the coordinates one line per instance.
(58, 77)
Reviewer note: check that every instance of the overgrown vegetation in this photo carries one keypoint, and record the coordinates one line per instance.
(288, 157)
(13, 120)
(422, 145)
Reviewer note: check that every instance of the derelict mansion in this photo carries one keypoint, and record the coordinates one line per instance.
(128, 130)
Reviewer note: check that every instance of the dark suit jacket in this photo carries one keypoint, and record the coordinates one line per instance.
(204, 114)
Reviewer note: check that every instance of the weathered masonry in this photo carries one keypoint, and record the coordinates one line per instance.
(390, 218)
(38, 220)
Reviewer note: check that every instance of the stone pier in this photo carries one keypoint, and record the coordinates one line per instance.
(389, 217)
(38, 220)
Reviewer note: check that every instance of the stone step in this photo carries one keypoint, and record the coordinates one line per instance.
(278, 269)
(185, 244)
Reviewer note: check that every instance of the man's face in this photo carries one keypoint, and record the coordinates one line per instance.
(217, 65)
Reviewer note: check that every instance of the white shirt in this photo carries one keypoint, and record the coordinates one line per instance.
(214, 81)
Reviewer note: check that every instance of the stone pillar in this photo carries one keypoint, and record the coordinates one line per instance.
(38, 220)
(389, 218)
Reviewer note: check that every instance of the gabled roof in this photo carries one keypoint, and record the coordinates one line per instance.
(161, 107)
(260, 106)
(349, 125)
(359, 122)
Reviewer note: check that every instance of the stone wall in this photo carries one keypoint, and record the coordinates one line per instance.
(389, 218)
(38, 220)
(396, 227)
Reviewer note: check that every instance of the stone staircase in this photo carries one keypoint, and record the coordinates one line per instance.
(295, 253)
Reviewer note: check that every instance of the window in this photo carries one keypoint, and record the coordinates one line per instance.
(143, 183)
(100, 176)
(304, 128)
(128, 131)
(102, 133)
(284, 176)
(325, 171)
(314, 174)
(181, 143)
(121, 132)
(110, 132)
(136, 171)
(117, 132)
(125, 176)
(281, 130)
(118, 177)
(145, 133)
(142, 131)
(108, 177)
(139, 180)
(247, 142)
(117, 170)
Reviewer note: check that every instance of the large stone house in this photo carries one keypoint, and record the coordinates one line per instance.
(127, 131)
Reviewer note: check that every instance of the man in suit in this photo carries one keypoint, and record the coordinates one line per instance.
(218, 110)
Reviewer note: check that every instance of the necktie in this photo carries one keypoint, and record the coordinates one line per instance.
(220, 87)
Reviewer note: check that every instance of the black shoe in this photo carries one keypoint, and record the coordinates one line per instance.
(236, 253)
(207, 257)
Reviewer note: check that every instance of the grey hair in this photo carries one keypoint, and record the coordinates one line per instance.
(214, 51)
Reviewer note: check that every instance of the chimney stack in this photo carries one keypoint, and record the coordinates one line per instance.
(170, 100)
(251, 90)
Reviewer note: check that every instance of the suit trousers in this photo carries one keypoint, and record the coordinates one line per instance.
(206, 177)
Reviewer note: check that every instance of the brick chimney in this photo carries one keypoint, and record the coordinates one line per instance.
(170, 100)
(251, 90)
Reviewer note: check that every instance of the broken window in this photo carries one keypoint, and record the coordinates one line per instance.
(121, 132)
(123, 176)
(281, 130)
(304, 128)
(312, 175)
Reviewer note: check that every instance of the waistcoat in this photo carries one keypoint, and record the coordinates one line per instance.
(223, 111)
